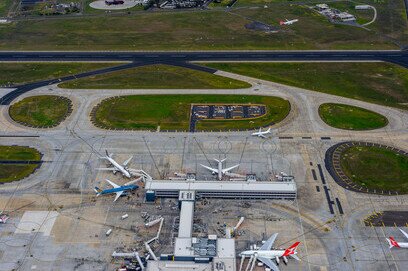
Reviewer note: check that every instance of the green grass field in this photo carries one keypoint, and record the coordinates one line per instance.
(379, 83)
(156, 77)
(40, 111)
(4, 7)
(19, 73)
(189, 30)
(351, 117)
(172, 112)
(376, 168)
(13, 172)
(19, 153)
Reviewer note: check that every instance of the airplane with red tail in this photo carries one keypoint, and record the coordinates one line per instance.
(391, 241)
(266, 254)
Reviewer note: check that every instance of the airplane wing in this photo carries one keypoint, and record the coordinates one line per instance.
(112, 183)
(107, 168)
(295, 257)
(127, 161)
(404, 233)
(269, 243)
(230, 168)
(269, 263)
(209, 168)
(118, 194)
(262, 135)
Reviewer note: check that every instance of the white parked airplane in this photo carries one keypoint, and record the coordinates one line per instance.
(266, 254)
(116, 167)
(222, 171)
(262, 134)
(396, 244)
(288, 22)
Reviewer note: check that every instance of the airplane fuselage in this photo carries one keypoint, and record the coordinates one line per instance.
(119, 189)
(270, 254)
(402, 245)
(120, 168)
(220, 171)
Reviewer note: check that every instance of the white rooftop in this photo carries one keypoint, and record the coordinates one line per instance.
(186, 219)
(176, 185)
(183, 246)
(179, 266)
(225, 248)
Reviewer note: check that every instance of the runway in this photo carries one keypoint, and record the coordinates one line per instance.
(398, 57)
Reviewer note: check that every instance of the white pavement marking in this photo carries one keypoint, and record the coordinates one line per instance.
(37, 221)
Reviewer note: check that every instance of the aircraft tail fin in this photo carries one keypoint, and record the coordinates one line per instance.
(291, 250)
(392, 242)
(269, 130)
(108, 155)
(97, 190)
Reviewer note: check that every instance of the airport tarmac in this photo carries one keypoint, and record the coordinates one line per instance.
(57, 223)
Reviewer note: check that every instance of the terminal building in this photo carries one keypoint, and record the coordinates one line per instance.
(192, 253)
(221, 189)
(212, 253)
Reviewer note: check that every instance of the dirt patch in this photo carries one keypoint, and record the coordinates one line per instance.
(258, 26)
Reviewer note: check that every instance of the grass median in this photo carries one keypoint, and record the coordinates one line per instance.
(20, 73)
(13, 172)
(376, 168)
(349, 117)
(156, 77)
(172, 112)
(379, 83)
(4, 7)
(41, 111)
